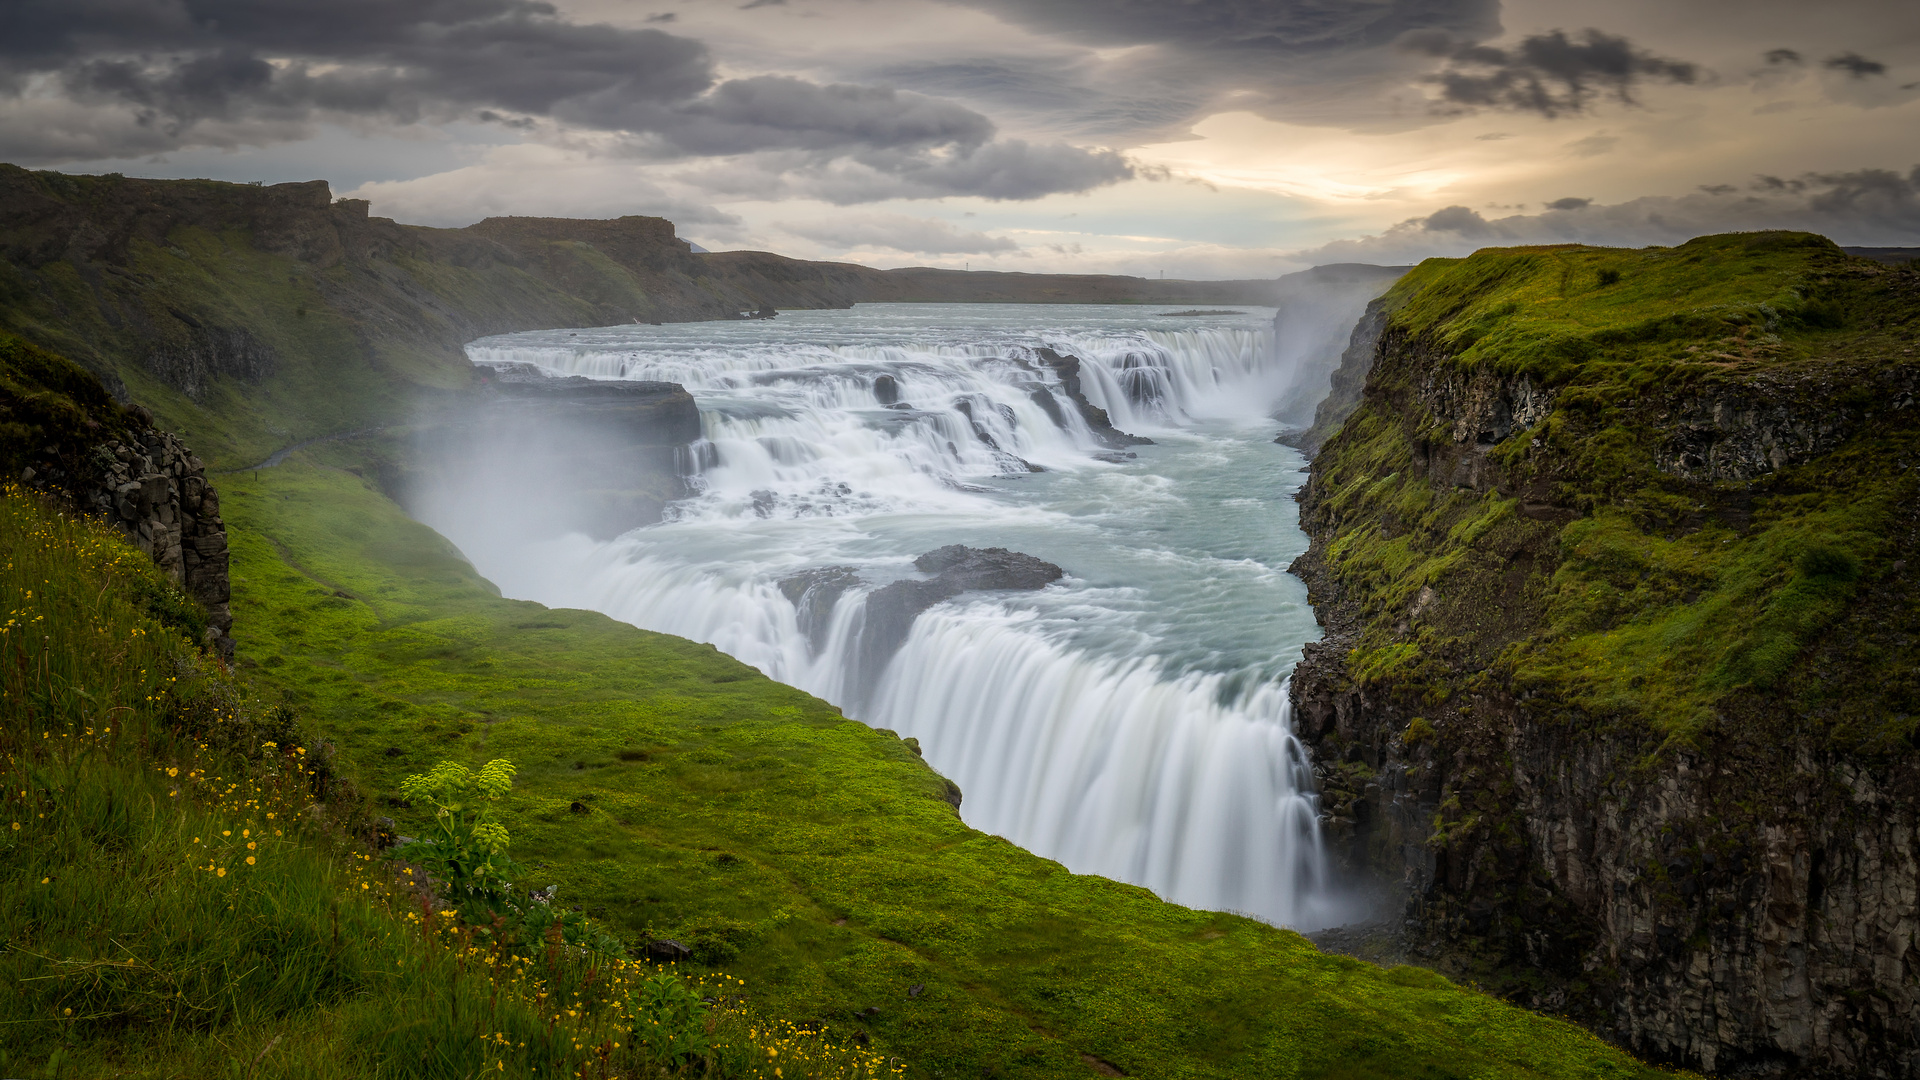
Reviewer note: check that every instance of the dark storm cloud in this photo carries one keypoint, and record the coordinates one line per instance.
(776, 111)
(1867, 194)
(1569, 203)
(1783, 58)
(1553, 74)
(178, 62)
(1855, 65)
(1457, 219)
(152, 75)
(1006, 169)
(1055, 94)
(1320, 60)
(1263, 28)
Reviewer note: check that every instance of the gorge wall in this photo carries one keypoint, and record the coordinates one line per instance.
(1619, 692)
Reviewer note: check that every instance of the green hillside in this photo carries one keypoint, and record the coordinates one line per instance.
(812, 856)
(1651, 588)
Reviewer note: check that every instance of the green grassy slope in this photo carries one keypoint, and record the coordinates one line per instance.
(811, 855)
(188, 894)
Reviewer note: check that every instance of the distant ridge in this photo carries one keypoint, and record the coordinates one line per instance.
(1892, 256)
(256, 317)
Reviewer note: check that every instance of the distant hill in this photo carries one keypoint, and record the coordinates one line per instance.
(1892, 256)
(254, 318)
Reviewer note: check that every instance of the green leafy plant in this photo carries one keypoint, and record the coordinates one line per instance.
(467, 849)
(669, 1020)
(466, 857)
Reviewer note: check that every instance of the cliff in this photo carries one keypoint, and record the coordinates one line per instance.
(1621, 681)
(61, 433)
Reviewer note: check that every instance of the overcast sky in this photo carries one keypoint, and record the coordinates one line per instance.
(1202, 138)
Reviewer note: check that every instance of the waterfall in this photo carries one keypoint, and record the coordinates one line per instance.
(1131, 721)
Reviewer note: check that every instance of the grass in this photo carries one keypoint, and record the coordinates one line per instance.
(675, 793)
(184, 897)
(1594, 574)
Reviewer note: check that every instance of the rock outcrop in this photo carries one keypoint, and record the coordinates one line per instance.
(1067, 369)
(891, 609)
(157, 492)
(1618, 693)
(61, 433)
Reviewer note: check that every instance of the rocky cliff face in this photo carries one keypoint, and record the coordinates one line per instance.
(157, 491)
(61, 433)
(1618, 695)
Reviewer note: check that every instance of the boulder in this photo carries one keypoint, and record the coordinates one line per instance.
(667, 951)
(988, 568)
(957, 569)
(813, 594)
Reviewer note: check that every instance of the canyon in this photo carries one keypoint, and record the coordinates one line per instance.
(1614, 711)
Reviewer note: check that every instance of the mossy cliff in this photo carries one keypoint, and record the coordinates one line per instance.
(1621, 679)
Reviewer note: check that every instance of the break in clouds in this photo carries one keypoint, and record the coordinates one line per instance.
(1872, 207)
(100, 79)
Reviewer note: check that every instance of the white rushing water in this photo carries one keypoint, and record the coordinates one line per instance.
(1130, 720)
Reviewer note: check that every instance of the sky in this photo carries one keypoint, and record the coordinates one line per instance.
(1190, 138)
